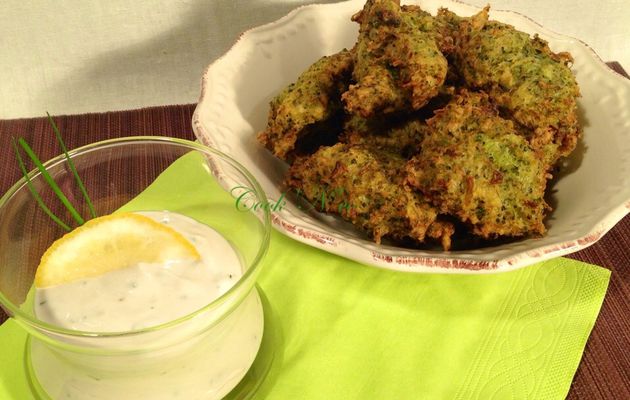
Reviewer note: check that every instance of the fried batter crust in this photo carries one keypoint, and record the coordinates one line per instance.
(402, 137)
(365, 186)
(401, 134)
(313, 98)
(475, 165)
(534, 85)
(398, 63)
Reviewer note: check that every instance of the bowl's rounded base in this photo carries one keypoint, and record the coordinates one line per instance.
(53, 374)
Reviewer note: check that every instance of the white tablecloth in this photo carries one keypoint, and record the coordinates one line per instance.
(77, 56)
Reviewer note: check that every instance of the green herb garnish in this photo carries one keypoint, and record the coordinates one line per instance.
(72, 168)
(51, 182)
(36, 195)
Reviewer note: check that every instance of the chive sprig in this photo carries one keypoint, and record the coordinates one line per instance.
(50, 181)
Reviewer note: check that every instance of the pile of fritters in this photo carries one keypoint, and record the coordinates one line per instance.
(428, 126)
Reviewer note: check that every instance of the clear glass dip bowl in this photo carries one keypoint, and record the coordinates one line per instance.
(202, 355)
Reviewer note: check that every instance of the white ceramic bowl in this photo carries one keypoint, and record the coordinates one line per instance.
(591, 194)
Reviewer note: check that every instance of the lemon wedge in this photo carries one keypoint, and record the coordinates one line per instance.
(109, 243)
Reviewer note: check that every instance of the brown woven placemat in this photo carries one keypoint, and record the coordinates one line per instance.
(604, 372)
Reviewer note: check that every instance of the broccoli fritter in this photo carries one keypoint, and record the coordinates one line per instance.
(313, 99)
(365, 186)
(446, 26)
(475, 165)
(532, 84)
(398, 63)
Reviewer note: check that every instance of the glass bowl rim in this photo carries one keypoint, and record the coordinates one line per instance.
(253, 267)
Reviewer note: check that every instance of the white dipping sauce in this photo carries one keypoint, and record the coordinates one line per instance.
(203, 358)
(145, 295)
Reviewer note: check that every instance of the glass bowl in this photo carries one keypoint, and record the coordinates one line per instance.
(203, 354)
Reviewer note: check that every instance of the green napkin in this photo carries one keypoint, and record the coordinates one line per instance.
(342, 330)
